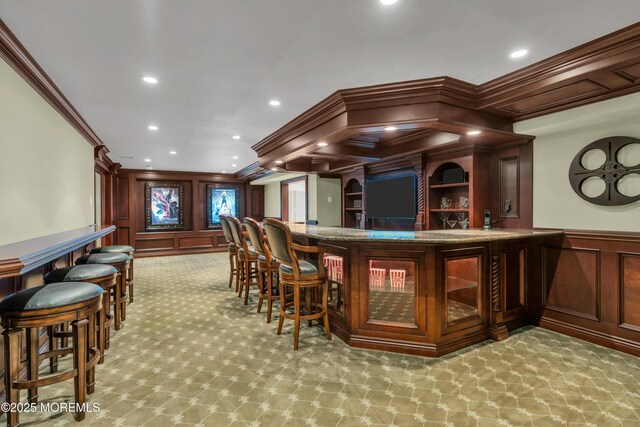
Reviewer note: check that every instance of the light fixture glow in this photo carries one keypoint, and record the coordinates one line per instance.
(322, 144)
(388, 2)
(149, 168)
(390, 128)
(147, 160)
(234, 165)
(274, 169)
(274, 103)
(173, 153)
(236, 137)
(224, 171)
(519, 53)
(152, 127)
(278, 162)
(234, 157)
(150, 79)
(474, 132)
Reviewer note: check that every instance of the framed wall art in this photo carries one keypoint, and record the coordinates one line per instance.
(222, 199)
(164, 206)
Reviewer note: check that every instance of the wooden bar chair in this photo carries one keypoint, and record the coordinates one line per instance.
(121, 249)
(233, 252)
(267, 266)
(247, 257)
(41, 307)
(297, 274)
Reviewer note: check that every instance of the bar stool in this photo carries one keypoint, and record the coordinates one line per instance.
(121, 249)
(298, 275)
(44, 306)
(267, 266)
(247, 256)
(121, 262)
(104, 276)
(233, 252)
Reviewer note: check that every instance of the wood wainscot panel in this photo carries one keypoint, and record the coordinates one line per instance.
(154, 244)
(220, 241)
(572, 281)
(195, 242)
(122, 236)
(629, 301)
(122, 197)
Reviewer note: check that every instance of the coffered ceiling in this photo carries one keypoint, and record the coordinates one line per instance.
(220, 62)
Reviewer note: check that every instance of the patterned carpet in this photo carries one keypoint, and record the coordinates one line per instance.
(191, 354)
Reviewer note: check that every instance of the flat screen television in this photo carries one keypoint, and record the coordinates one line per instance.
(391, 197)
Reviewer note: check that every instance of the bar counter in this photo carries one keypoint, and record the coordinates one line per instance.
(427, 292)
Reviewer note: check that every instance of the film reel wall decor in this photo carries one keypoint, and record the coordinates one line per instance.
(610, 161)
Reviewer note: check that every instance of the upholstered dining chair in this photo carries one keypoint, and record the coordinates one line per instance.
(298, 274)
(233, 252)
(267, 266)
(247, 257)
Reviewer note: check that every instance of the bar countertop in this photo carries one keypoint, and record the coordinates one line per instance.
(426, 237)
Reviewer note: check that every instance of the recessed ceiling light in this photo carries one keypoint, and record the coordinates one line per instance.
(390, 128)
(150, 79)
(278, 162)
(322, 144)
(173, 153)
(519, 53)
(152, 127)
(388, 2)
(236, 137)
(234, 157)
(474, 132)
(274, 169)
(149, 168)
(147, 160)
(234, 165)
(224, 171)
(274, 103)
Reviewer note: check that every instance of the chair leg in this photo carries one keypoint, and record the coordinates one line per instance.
(79, 328)
(107, 314)
(238, 273)
(247, 283)
(261, 292)
(325, 290)
(32, 361)
(231, 268)
(269, 294)
(123, 296)
(296, 315)
(307, 299)
(240, 289)
(102, 319)
(53, 345)
(117, 296)
(131, 282)
(12, 350)
(91, 343)
(282, 304)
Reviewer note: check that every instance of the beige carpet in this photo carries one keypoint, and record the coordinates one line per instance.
(191, 353)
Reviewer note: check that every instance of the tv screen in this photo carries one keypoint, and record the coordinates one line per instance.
(391, 198)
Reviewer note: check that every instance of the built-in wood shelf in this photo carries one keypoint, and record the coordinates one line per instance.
(449, 210)
(353, 194)
(353, 209)
(457, 184)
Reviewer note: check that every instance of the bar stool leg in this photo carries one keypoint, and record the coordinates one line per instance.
(231, 268)
(123, 299)
(12, 350)
(325, 291)
(269, 294)
(79, 328)
(91, 343)
(131, 282)
(242, 278)
(102, 329)
(32, 361)
(53, 345)
(296, 314)
(117, 306)
(261, 287)
(282, 305)
(247, 282)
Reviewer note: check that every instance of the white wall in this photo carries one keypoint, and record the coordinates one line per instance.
(272, 199)
(46, 167)
(559, 137)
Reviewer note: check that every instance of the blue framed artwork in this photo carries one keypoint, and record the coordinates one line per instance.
(164, 204)
(221, 200)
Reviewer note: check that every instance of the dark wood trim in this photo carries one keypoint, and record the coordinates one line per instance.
(17, 56)
(22, 257)
(251, 172)
(284, 197)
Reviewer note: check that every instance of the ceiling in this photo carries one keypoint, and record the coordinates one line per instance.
(219, 62)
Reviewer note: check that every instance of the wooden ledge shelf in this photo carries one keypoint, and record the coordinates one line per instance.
(449, 210)
(353, 194)
(457, 184)
(21, 257)
(353, 209)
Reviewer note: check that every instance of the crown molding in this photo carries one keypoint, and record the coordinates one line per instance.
(18, 58)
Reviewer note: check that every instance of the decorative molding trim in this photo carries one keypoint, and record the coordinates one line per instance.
(495, 283)
(18, 58)
(251, 172)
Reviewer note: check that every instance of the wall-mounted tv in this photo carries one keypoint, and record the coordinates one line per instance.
(391, 197)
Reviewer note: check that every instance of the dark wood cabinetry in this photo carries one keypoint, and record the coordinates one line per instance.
(352, 204)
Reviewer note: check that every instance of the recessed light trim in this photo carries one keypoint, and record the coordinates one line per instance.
(235, 157)
(519, 53)
(390, 128)
(149, 168)
(474, 132)
(274, 103)
(153, 127)
(173, 153)
(234, 165)
(388, 2)
(278, 162)
(322, 144)
(150, 79)
(236, 137)
(147, 160)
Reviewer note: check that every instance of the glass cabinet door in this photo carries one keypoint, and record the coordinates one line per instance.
(335, 268)
(391, 285)
(462, 288)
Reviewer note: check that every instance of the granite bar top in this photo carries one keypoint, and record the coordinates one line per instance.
(428, 237)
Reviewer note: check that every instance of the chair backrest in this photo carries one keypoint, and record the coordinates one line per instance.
(225, 229)
(236, 232)
(280, 241)
(312, 222)
(256, 237)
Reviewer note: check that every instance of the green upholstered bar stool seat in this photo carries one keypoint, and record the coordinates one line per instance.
(102, 275)
(123, 249)
(41, 307)
(121, 262)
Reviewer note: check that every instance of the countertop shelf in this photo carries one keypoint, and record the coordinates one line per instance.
(457, 184)
(353, 194)
(353, 209)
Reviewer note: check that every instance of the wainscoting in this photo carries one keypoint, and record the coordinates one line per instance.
(195, 237)
(591, 288)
